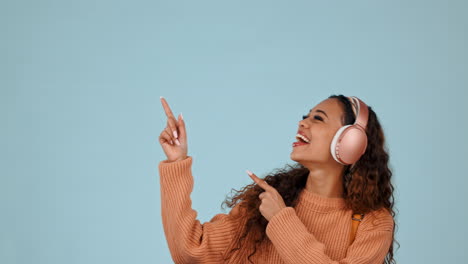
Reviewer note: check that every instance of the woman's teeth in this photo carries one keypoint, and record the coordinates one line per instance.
(302, 138)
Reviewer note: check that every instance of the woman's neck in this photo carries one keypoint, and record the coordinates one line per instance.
(327, 183)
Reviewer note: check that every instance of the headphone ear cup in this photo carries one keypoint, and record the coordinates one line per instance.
(334, 143)
(352, 145)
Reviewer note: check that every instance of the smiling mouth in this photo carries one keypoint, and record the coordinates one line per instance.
(302, 138)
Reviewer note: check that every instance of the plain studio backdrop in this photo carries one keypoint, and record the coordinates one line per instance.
(81, 115)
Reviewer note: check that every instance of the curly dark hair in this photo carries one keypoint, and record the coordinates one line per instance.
(368, 189)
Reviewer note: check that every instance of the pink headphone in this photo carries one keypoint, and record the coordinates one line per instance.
(350, 141)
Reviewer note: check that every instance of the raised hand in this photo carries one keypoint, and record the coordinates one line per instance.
(272, 202)
(173, 138)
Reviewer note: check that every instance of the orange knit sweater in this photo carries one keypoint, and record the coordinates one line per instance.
(316, 230)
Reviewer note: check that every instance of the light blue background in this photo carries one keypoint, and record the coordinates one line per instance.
(80, 113)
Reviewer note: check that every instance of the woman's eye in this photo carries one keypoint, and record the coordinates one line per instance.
(316, 117)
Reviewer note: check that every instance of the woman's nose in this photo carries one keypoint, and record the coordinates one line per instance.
(302, 123)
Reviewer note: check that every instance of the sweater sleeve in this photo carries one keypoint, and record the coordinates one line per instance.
(189, 240)
(296, 244)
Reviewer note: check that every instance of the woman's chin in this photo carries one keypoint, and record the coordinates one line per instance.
(294, 156)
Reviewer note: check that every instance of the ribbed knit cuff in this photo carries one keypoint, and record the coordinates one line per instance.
(176, 179)
(284, 222)
(176, 173)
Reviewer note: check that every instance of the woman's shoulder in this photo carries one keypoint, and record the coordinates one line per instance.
(237, 212)
(378, 220)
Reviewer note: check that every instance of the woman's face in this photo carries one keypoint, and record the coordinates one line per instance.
(320, 126)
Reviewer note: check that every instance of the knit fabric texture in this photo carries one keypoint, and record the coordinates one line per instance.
(316, 230)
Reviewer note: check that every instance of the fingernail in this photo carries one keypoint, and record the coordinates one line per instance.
(249, 172)
(177, 142)
(181, 116)
(160, 97)
(175, 134)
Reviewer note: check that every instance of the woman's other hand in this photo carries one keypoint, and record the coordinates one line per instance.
(173, 138)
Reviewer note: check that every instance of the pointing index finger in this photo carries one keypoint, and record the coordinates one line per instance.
(260, 182)
(166, 107)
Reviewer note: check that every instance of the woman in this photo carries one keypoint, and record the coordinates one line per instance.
(299, 214)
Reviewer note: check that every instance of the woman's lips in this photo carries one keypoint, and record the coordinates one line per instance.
(299, 143)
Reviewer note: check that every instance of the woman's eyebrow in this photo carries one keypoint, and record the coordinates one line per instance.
(321, 111)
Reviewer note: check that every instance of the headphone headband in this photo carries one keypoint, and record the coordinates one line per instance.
(360, 111)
